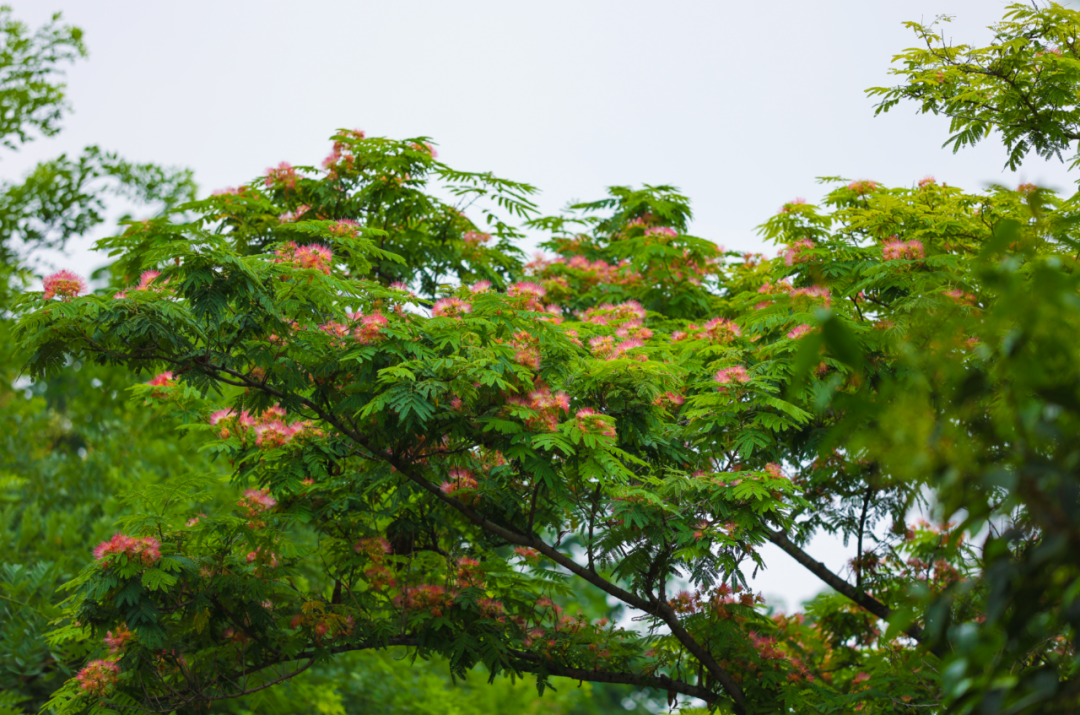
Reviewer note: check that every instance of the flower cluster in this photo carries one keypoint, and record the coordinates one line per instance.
(590, 421)
(255, 502)
(529, 295)
(283, 176)
(312, 257)
(269, 428)
(118, 641)
(796, 252)
(894, 249)
(463, 484)
(368, 328)
(143, 549)
(546, 405)
(450, 308)
(64, 284)
(98, 677)
(731, 376)
(475, 238)
(863, 186)
(426, 597)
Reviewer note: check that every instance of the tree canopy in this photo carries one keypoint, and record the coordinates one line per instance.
(435, 445)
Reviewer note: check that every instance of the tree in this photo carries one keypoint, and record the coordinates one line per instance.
(637, 413)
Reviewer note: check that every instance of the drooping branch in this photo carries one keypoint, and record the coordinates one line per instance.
(531, 540)
(861, 598)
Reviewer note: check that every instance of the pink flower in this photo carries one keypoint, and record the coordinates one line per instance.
(786, 208)
(370, 328)
(116, 643)
(146, 279)
(730, 375)
(799, 330)
(164, 379)
(480, 287)
(255, 501)
(475, 238)
(626, 346)
(345, 228)
(98, 677)
(64, 284)
(863, 186)
(927, 181)
(813, 292)
(283, 175)
(669, 400)
(461, 479)
(227, 191)
(774, 470)
(529, 290)
(795, 253)
(314, 257)
(530, 555)
(661, 231)
(272, 434)
(720, 330)
(450, 308)
(893, 249)
(144, 549)
(591, 422)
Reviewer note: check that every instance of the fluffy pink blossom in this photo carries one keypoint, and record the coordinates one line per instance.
(144, 549)
(116, 643)
(480, 287)
(459, 480)
(528, 554)
(315, 257)
(893, 249)
(450, 308)
(796, 252)
(592, 422)
(786, 208)
(346, 228)
(283, 175)
(731, 375)
(531, 291)
(927, 181)
(256, 501)
(475, 238)
(267, 558)
(370, 328)
(814, 293)
(626, 346)
(799, 330)
(774, 470)
(720, 330)
(164, 379)
(863, 186)
(274, 433)
(64, 284)
(98, 677)
(665, 231)
(669, 400)
(146, 279)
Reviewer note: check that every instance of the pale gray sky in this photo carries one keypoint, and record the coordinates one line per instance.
(741, 104)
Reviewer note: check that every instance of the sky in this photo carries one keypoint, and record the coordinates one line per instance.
(740, 105)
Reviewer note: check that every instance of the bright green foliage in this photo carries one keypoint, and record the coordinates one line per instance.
(638, 411)
(31, 94)
(1022, 85)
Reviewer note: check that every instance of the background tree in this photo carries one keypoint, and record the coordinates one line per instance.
(76, 449)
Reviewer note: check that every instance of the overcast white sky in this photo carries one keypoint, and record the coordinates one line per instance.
(740, 104)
